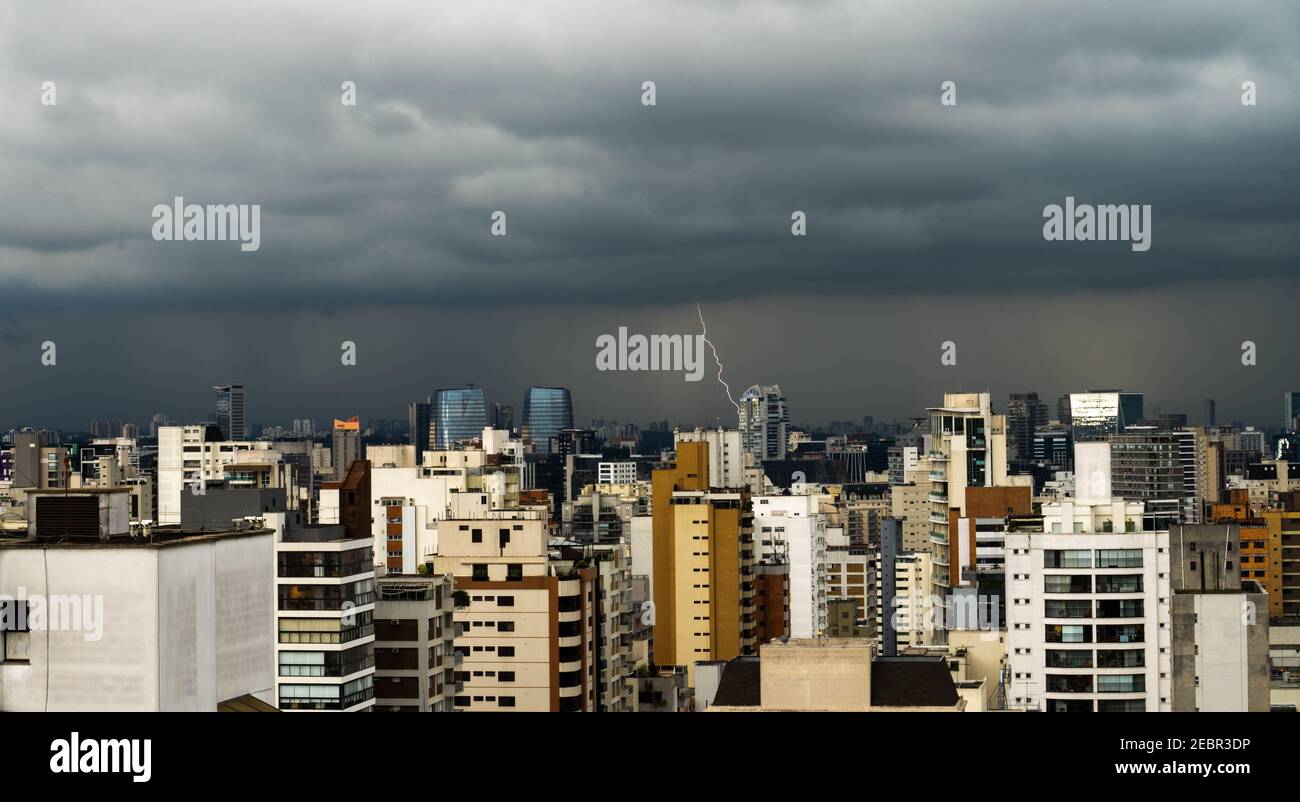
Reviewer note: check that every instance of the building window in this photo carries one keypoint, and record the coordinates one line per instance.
(15, 635)
(505, 701)
(505, 601)
(476, 536)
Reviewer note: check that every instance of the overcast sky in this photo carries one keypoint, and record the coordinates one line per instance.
(924, 221)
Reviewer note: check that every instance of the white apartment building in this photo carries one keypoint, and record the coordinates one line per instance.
(726, 454)
(187, 462)
(178, 623)
(792, 529)
(616, 473)
(914, 608)
(1088, 615)
(969, 447)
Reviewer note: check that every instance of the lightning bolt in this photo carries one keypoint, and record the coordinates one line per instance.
(721, 381)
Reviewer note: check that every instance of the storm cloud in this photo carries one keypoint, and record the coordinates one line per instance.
(924, 221)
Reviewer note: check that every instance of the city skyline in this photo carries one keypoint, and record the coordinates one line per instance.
(1194, 412)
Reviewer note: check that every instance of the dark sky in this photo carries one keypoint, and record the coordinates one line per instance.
(924, 221)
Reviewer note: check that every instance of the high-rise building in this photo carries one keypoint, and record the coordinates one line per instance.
(764, 423)
(1097, 414)
(415, 631)
(1025, 415)
(1150, 463)
(603, 513)
(970, 450)
(1284, 556)
(792, 530)
(345, 445)
(703, 554)
(1083, 636)
(229, 414)
(1211, 413)
(1053, 446)
(459, 414)
(503, 416)
(547, 412)
(726, 453)
(1088, 603)
(529, 630)
(325, 615)
(1290, 409)
(420, 422)
(1063, 409)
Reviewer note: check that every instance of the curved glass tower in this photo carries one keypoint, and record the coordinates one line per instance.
(547, 410)
(458, 414)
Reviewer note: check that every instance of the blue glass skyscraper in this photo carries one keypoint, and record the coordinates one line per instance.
(547, 410)
(458, 414)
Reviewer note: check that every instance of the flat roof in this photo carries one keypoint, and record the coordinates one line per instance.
(160, 537)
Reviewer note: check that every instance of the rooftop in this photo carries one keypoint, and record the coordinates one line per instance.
(158, 537)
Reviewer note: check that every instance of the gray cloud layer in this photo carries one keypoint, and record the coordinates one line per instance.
(381, 212)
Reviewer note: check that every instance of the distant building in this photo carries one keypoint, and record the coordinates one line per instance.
(229, 413)
(1097, 414)
(420, 424)
(547, 412)
(459, 414)
(764, 422)
(1025, 415)
(1290, 409)
(345, 447)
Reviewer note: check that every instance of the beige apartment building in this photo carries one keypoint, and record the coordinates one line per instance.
(528, 633)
